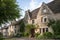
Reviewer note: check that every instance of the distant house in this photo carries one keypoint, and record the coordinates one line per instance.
(10, 30)
(41, 16)
(13, 28)
(4, 31)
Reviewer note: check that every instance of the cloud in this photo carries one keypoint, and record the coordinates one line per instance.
(34, 3)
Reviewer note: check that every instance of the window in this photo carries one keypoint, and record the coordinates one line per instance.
(15, 31)
(43, 30)
(15, 26)
(32, 21)
(40, 30)
(46, 29)
(44, 10)
(45, 19)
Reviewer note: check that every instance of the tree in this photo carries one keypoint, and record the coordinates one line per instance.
(55, 26)
(9, 10)
(21, 28)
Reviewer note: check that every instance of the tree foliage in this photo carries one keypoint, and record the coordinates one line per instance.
(21, 29)
(22, 26)
(55, 26)
(9, 10)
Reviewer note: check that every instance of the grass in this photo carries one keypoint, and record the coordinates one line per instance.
(10, 39)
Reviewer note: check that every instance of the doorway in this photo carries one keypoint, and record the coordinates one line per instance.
(32, 32)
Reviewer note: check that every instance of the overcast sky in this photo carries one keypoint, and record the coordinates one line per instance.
(31, 4)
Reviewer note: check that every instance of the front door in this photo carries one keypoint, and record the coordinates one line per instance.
(32, 32)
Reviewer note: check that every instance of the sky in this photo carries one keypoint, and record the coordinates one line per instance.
(30, 4)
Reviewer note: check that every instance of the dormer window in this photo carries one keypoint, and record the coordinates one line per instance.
(44, 19)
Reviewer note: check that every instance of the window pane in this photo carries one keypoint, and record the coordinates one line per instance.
(40, 30)
(32, 21)
(45, 19)
(43, 30)
(44, 10)
(46, 29)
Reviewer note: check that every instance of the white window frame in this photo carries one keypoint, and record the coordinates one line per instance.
(44, 18)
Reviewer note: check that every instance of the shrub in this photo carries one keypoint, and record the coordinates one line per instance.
(57, 36)
(40, 37)
(46, 35)
(37, 34)
(26, 34)
(1, 36)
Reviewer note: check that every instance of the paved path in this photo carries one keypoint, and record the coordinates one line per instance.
(25, 39)
(20, 39)
(29, 39)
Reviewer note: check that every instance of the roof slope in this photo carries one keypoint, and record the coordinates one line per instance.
(54, 6)
(34, 13)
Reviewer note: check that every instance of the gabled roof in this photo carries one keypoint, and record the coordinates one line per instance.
(54, 6)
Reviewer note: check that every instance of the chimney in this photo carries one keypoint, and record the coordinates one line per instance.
(28, 11)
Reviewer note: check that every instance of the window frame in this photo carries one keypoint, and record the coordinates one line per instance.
(43, 19)
(32, 21)
(46, 29)
(43, 30)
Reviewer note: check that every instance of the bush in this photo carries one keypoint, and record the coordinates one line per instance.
(37, 34)
(40, 37)
(19, 35)
(46, 35)
(57, 36)
(1, 36)
(26, 34)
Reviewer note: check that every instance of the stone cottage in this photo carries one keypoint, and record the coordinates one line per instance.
(41, 16)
